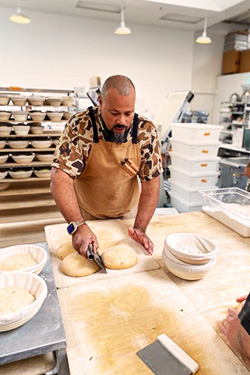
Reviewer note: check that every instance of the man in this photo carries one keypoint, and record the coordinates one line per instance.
(101, 154)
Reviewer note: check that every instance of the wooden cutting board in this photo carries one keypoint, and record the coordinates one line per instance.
(111, 231)
(108, 321)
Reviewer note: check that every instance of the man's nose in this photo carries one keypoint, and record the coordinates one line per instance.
(122, 119)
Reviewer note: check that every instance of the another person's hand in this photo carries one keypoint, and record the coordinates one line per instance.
(140, 236)
(82, 238)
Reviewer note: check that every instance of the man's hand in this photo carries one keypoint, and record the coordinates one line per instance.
(82, 238)
(140, 236)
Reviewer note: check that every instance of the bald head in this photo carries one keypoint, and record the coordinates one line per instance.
(123, 85)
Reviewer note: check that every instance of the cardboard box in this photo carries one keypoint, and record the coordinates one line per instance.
(231, 62)
(245, 61)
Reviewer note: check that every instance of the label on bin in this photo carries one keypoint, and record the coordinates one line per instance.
(206, 134)
(203, 180)
(203, 165)
(205, 151)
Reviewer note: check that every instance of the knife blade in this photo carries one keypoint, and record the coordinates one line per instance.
(96, 257)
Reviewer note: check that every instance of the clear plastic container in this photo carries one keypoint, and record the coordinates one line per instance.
(196, 132)
(194, 165)
(195, 150)
(230, 206)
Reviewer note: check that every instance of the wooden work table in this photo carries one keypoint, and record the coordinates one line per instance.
(108, 320)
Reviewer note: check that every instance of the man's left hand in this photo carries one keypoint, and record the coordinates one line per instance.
(140, 236)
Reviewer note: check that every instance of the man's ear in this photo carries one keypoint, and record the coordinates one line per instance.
(100, 101)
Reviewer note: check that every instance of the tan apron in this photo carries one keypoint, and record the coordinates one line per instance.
(105, 189)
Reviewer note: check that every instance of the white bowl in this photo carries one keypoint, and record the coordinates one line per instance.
(3, 158)
(67, 115)
(55, 116)
(20, 115)
(43, 173)
(19, 144)
(36, 252)
(2, 143)
(37, 116)
(41, 144)
(4, 186)
(191, 248)
(33, 284)
(19, 175)
(37, 129)
(19, 100)
(186, 271)
(36, 100)
(4, 115)
(4, 100)
(68, 101)
(21, 129)
(3, 174)
(5, 131)
(23, 159)
(46, 158)
(54, 101)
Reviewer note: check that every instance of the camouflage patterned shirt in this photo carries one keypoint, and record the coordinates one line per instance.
(76, 141)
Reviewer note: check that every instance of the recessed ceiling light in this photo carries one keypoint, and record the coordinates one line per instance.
(180, 18)
(89, 5)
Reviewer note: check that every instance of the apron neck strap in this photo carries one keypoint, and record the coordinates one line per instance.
(135, 128)
(92, 117)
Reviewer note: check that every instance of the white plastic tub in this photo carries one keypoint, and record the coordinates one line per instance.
(188, 195)
(194, 165)
(195, 150)
(197, 181)
(196, 132)
(230, 206)
(183, 206)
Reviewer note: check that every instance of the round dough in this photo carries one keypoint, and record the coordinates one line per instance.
(64, 250)
(17, 262)
(13, 299)
(75, 265)
(119, 257)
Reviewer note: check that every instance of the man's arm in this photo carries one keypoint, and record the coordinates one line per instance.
(247, 170)
(63, 191)
(148, 201)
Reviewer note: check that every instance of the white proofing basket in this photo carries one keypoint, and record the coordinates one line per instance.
(183, 270)
(33, 284)
(196, 132)
(36, 252)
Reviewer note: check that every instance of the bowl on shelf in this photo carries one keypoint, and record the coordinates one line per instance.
(36, 129)
(3, 174)
(4, 99)
(45, 158)
(18, 143)
(3, 158)
(67, 115)
(54, 101)
(41, 143)
(20, 174)
(56, 142)
(55, 116)
(31, 282)
(5, 130)
(5, 115)
(36, 100)
(23, 158)
(20, 115)
(4, 185)
(21, 129)
(2, 143)
(19, 100)
(42, 172)
(68, 101)
(37, 115)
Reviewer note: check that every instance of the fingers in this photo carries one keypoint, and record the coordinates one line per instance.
(140, 236)
(83, 238)
(241, 299)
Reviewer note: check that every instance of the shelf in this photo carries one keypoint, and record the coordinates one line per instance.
(22, 89)
(19, 191)
(32, 164)
(31, 179)
(25, 150)
(30, 135)
(31, 203)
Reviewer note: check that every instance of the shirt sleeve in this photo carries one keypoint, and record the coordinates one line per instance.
(151, 164)
(71, 152)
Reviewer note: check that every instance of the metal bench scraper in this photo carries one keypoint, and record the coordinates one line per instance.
(165, 357)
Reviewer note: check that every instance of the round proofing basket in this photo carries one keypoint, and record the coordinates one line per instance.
(36, 252)
(34, 285)
(177, 242)
(183, 270)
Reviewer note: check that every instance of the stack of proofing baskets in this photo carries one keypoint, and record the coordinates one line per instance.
(194, 163)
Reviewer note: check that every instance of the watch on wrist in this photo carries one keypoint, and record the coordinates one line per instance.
(73, 226)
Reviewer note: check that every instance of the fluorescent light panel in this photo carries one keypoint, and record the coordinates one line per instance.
(180, 18)
(99, 7)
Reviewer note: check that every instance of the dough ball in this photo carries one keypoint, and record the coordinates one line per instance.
(13, 299)
(75, 265)
(64, 250)
(119, 257)
(17, 262)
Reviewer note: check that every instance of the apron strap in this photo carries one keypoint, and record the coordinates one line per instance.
(92, 117)
(135, 128)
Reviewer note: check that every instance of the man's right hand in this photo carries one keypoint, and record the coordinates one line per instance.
(82, 238)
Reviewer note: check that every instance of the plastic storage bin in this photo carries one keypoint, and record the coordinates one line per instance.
(188, 195)
(230, 206)
(196, 132)
(195, 150)
(182, 205)
(193, 165)
(196, 181)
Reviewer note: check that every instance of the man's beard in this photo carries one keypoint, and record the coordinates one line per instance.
(119, 137)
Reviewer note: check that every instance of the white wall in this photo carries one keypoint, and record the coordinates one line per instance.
(62, 52)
